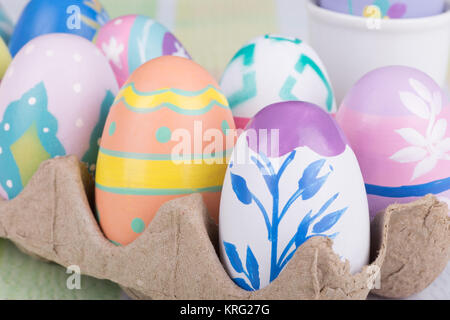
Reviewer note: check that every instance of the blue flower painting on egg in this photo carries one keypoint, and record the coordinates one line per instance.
(273, 201)
(80, 17)
(313, 224)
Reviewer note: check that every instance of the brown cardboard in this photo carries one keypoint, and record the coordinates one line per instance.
(176, 256)
(418, 249)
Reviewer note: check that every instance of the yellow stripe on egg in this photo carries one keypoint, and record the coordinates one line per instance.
(153, 177)
(178, 100)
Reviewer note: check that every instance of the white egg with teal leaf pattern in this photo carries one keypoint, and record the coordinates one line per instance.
(274, 68)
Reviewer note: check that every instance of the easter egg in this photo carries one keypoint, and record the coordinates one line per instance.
(292, 176)
(6, 25)
(168, 134)
(129, 41)
(394, 9)
(80, 17)
(5, 58)
(54, 100)
(271, 69)
(397, 120)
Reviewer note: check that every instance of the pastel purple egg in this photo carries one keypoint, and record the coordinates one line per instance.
(130, 41)
(394, 9)
(397, 120)
(54, 100)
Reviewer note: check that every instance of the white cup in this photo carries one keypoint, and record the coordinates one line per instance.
(351, 46)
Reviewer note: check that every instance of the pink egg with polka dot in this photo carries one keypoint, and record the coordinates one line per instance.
(54, 100)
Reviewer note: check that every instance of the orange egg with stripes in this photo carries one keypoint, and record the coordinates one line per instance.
(168, 134)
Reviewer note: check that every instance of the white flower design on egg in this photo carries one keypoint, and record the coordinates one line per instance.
(426, 149)
(113, 50)
(180, 51)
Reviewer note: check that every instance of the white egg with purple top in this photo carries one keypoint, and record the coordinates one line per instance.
(273, 68)
(292, 176)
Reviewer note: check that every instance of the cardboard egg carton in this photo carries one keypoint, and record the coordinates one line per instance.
(176, 257)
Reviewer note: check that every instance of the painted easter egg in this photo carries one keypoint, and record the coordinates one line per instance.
(6, 25)
(167, 135)
(80, 17)
(397, 120)
(272, 69)
(54, 100)
(132, 40)
(5, 58)
(394, 9)
(292, 176)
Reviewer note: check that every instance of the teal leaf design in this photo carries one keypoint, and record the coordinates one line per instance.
(240, 189)
(327, 222)
(248, 90)
(252, 269)
(302, 63)
(247, 54)
(233, 257)
(282, 39)
(241, 283)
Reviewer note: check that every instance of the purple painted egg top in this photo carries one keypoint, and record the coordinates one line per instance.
(299, 124)
(379, 91)
(394, 9)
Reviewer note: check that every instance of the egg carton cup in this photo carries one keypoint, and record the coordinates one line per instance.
(176, 257)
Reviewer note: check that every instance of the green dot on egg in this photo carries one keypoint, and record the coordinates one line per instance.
(225, 127)
(138, 225)
(163, 135)
(112, 128)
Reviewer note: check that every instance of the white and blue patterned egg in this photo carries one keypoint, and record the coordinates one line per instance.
(298, 181)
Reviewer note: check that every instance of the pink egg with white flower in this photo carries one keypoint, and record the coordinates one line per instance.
(397, 120)
(130, 41)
